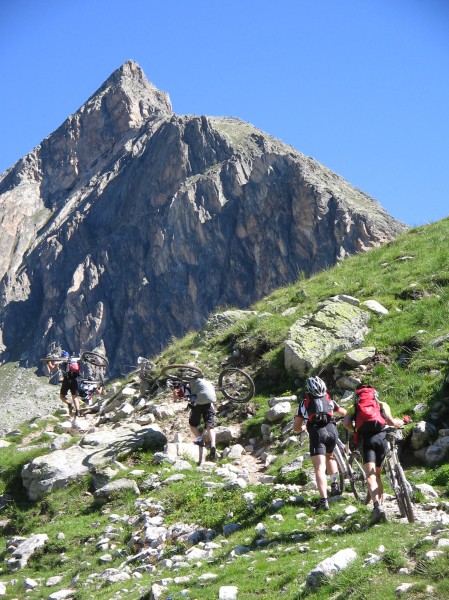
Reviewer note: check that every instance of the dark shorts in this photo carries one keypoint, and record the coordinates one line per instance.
(205, 411)
(69, 384)
(322, 439)
(374, 448)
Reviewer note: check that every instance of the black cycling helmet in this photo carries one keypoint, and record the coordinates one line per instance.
(316, 386)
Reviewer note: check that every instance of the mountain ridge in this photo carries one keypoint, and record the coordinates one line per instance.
(113, 225)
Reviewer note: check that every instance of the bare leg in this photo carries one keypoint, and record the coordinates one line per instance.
(211, 432)
(331, 465)
(65, 401)
(195, 431)
(319, 464)
(76, 403)
(374, 482)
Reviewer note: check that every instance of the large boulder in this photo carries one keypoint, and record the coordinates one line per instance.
(54, 471)
(335, 327)
(329, 567)
(23, 550)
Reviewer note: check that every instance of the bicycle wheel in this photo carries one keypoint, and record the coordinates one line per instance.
(357, 478)
(404, 494)
(94, 358)
(181, 372)
(342, 470)
(236, 385)
(394, 484)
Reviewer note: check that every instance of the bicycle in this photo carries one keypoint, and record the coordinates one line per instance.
(396, 476)
(350, 468)
(93, 358)
(153, 381)
(235, 384)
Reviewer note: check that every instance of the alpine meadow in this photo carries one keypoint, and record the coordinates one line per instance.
(245, 526)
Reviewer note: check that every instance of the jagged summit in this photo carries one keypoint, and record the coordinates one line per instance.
(142, 97)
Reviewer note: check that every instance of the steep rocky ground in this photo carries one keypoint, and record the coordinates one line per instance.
(140, 521)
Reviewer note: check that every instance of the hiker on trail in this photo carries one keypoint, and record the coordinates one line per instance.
(200, 394)
(315, 413)
(367, 418)
(71, 370)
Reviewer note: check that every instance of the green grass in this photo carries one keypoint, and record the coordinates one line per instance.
(416, 292)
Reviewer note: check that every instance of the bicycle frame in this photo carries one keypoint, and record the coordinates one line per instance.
(396, 476)
(350, 467)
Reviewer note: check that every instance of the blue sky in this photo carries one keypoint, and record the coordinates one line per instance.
(360, 85)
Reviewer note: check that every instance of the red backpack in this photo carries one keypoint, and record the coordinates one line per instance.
(319, 409)
(368, 413)
(73, 369)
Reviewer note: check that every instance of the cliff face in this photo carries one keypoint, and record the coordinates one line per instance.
(130, 224)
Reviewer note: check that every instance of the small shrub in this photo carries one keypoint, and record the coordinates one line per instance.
(394, 559)
(441, 476)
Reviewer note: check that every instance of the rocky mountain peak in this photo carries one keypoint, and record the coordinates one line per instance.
(129, 225)
(128, 89)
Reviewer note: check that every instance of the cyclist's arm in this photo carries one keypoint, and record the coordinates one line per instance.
(299, 423)
(393, 421)
(389, 418)
(339, 410)
(348, 420)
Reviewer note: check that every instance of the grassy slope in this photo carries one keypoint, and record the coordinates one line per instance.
(295, 545)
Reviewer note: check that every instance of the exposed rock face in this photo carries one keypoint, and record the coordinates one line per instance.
(335, 327)
(130, 224)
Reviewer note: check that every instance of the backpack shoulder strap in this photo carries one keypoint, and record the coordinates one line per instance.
(356, 403)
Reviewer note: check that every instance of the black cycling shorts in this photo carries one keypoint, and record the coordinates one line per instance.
(374, 448)
(206, 411)
(69, 384)
(322, 439)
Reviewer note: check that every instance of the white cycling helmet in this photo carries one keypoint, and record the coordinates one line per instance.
(316, 386)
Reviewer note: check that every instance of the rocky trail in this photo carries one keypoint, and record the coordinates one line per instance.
(117, 426)
(250, 462)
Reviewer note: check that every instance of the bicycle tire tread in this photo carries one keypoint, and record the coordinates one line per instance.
(249, 389)
(355, 458)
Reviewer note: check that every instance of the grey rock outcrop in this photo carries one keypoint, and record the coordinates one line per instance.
(335, 326)
(130, 224)
(23, 549)
(55, 470)
(328, 568)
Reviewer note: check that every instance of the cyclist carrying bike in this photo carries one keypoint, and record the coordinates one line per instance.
(71, 371)
(367, 418)
(315, 413)
(200, 394)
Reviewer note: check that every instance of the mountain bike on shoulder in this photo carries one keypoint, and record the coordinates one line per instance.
(93, 358)
(235, 384)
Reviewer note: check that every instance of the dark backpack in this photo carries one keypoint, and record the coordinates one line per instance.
(319, 409)
(368, 414)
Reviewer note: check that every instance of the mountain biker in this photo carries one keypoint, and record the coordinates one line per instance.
(200, 394)
(315, 414)
(373, 438)
(71, 370)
